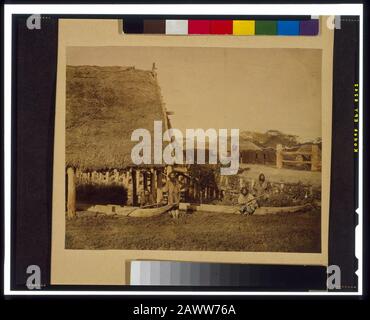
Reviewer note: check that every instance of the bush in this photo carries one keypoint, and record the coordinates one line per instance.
(101, 194)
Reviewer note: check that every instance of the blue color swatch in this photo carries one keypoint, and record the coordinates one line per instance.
(288, 28)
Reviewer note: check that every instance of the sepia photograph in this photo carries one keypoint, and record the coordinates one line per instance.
(196, 149)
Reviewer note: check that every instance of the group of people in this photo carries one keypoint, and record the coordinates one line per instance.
(250, 200)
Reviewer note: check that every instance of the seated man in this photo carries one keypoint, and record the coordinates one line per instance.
(261, 189)
(247, 202)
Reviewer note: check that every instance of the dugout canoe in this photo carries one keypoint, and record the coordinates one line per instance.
(149, 212)
(138, 212)
(275, 210)
(235, 209)
(156, 211)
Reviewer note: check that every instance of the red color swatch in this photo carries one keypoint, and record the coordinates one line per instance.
(199, 27)
(221, 26)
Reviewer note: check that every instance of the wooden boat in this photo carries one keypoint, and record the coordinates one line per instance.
(275, 210)
(139, 212)
(154, 210)
(235, 209)
(149, 212)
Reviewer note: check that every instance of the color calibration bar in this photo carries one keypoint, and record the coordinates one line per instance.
(173, 273)
(223, 27)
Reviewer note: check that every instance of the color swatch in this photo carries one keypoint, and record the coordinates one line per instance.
(133, 25)
(264, 27)
(308, 27)
(288, 28)
(154, 26)
(199, 26)
(176, 27)
(244, 27)
(221, 27)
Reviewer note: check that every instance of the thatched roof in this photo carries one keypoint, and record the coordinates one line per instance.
(246, 145)
(103, 106)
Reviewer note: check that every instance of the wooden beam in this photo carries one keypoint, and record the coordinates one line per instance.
(297, 161)
(306, 153)
(279, 156)
(131, 185)
(71, 193)
(153, 184)
(315, 158)
(139, 186)
(145, 180)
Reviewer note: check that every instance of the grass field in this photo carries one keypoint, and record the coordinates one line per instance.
(299, 232)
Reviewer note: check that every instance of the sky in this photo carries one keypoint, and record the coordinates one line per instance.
(250, 89)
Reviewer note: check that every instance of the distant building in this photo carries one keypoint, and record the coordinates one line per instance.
(251, 153)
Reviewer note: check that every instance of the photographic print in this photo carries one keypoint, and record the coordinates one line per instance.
(194, 149)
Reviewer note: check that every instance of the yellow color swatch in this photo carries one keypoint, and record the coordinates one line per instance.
(244, 27)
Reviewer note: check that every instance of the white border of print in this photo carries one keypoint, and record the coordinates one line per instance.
(232, 9)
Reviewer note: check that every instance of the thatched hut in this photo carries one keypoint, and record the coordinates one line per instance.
(269, 155)
(250, 153)
(104, 105)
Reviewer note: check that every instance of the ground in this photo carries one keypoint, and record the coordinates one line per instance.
(283, 175)
(298, 232)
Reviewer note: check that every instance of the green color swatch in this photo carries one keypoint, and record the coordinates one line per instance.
(266, 27)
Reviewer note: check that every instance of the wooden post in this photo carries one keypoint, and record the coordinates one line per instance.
(130, 187)
(159, 194)
(145, 180)
(116, 176)
(158, 173)
(93, 174)
(153, 184)
(139, 185)
(71, 193)
(126, 179)
(134, 177)
(315, 158)
(279, 156)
